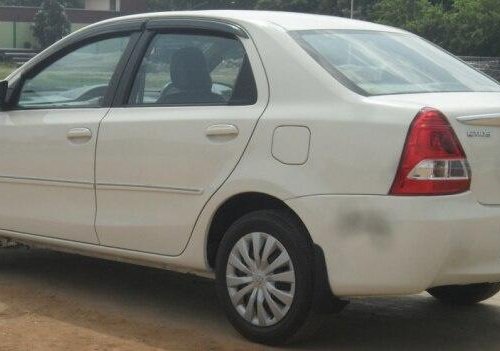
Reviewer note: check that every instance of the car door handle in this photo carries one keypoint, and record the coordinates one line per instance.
(79, 133)
(222, 130)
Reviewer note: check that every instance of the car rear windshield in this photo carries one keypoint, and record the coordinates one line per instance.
(382, 63)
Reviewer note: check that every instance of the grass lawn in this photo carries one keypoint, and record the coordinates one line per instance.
(5, 70)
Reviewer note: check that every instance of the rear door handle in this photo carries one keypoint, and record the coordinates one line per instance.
(222, 130)
(81, 134)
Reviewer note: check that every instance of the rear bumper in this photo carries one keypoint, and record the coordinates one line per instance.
(384, 245)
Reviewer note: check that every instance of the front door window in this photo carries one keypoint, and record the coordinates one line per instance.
(78, 79)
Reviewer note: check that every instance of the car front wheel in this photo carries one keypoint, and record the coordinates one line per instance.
(264, 275)
(465, 294)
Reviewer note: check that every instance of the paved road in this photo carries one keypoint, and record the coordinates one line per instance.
(52, 301)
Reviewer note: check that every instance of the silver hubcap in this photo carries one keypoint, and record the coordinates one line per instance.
(260, 279)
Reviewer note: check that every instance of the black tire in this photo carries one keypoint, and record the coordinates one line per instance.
(465, 294)
(301, 320)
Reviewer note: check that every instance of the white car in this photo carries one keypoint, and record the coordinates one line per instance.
(298, 159)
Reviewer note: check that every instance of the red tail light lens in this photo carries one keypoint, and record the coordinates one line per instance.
(433, 161)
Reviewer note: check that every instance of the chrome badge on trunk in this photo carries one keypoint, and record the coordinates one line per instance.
(479, 134)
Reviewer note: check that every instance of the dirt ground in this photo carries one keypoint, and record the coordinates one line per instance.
(51, 301)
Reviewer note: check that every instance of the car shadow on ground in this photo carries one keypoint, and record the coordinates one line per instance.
(164, 309)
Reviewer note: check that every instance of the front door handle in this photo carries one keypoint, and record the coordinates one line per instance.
(79, 134)
(222, 130)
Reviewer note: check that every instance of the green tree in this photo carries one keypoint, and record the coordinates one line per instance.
(240, 4)
(432, 23)
(174, 5)
(362, 8)
(475, 25)
(288, 5)
(400, 13)
(50, 23)
(420, 16)
(465, 27)
(329, 7)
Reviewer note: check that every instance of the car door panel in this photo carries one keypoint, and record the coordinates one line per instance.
(157, 166)
(154, 176)
(48, 137)
(46, 178)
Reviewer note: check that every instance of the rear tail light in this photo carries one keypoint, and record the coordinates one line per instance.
(433, 161)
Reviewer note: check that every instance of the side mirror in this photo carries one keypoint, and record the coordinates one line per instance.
(3, 94)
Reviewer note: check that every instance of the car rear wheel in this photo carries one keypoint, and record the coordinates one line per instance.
(465, 294)
(264, 274)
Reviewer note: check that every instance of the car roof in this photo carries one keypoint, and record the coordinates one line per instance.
(288, 20)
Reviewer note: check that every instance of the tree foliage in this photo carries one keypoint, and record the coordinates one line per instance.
(474, 27)
(177, 5)
(465, 27)
(50, 23)
(287, 5)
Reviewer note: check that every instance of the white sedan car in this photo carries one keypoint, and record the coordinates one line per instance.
(298, 159)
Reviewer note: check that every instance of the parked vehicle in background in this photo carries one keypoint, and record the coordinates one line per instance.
(299, 159)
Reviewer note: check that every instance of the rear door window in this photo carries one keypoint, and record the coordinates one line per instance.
(194, 69)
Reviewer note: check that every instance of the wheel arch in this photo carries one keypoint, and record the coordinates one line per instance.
(234, 208)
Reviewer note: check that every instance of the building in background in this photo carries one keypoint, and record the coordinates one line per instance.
(122, 6)
(16, 21)
(102, 5)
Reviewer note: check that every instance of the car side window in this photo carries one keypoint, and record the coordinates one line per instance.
(194, 69)
(79, 79)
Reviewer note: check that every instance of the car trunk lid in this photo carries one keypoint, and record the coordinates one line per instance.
(475, 117)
